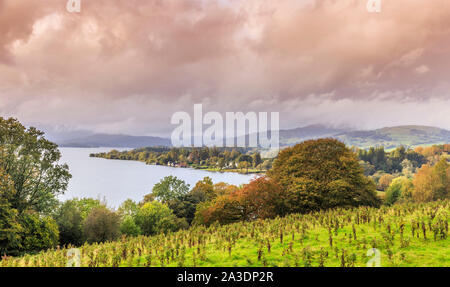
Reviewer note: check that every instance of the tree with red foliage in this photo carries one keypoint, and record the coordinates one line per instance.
(262, 198)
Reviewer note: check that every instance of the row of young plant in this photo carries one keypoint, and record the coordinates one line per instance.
(339, 237)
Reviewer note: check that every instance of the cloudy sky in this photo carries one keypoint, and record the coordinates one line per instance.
(128, 65)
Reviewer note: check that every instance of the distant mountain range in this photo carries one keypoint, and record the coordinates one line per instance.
(389, 137)
(297, 135)
(108, 140)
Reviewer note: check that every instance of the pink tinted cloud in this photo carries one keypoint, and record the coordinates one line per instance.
(129, 64)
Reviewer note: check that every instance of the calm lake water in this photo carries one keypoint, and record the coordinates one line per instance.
(118, 180)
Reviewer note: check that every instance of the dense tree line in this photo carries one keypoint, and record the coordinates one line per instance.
(205, 157)
(377, 159)
(430, 183)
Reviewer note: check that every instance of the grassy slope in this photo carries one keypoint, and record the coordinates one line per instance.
(305, 238)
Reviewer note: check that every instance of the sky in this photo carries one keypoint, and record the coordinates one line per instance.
(125, 66)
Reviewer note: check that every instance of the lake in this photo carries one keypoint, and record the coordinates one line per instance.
(118, 180)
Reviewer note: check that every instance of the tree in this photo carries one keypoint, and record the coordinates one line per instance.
(384, 181)
(266, 165)
(222, 188)
(424, 184)
(245, 161)
(203, 190)
(224, 209)
(221, 163)
(101, 225)
(244, 164)
(38, 233)
(70, 223)
(129, 227)
(185, 206)
(170, 188)
(31, 162)
(407, 168)
(322, 174)
(256, 158)
(128, 208)
(262, 198)
(441, 172)
(368, 168)
(86, 205)
(432, 183)
(9, 226)
(155, 217)
(400, 188)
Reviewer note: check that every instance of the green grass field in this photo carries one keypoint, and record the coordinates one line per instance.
(405, 235)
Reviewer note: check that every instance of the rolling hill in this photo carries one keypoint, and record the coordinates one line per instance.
(389, 137)
(392, 137)
(294, 136)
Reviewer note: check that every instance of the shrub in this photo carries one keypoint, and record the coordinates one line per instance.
(400, 188)
(101, 225)
(155, 217)
(262, 198)
(128, 227)
(224, 209)
(70, 223)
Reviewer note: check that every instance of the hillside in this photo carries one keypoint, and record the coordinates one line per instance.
(294, 136)
(389, 137)
(404, 235)
(110, 140)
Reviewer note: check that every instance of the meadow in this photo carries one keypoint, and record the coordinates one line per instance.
(402, 235)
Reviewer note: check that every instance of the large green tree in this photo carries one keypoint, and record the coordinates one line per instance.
(32, 163)
(322, 174)
(38, 232)
(170, 188)
(9, 224)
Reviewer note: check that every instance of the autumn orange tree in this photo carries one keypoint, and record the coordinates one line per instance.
(432, 182)
(385, 181)
(260, 199)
